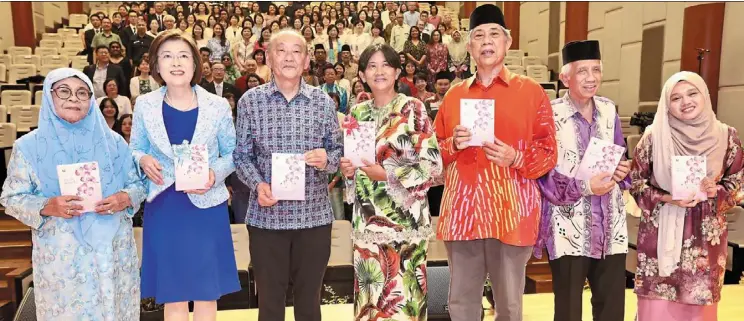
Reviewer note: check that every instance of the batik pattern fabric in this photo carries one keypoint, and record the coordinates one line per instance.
(698, 278)
(391, 221)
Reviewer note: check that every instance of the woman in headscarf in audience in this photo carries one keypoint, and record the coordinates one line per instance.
(112, 91)
(392, 224)
(124, 127)
(110, 112)
(142, 82)
(459, 58)
(85, 260)
(682, 239)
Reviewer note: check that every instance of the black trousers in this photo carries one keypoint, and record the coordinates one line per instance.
(606, 280)
(280, 255)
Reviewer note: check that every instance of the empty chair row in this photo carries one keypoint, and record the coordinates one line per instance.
(522, 61)
(23, 117)
(13, 72)
(538, 72)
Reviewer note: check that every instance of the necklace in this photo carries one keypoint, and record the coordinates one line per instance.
(170, 102)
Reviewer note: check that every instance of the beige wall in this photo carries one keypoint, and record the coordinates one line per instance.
(7, 39)
(731, 81)
(534, 31)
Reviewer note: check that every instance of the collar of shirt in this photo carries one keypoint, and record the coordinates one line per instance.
(503, 77)
(104, 66)
(304, 88)
(575, 111)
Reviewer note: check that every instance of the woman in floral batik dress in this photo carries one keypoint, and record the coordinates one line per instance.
(391, 221)
(682, 243)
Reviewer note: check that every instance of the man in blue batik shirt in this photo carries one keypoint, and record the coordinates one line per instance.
(288, 239)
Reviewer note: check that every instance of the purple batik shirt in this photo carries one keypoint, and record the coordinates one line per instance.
(559, 189)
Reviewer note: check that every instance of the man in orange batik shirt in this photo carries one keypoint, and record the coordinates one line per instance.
(491, 204)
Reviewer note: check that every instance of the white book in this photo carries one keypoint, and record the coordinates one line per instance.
(359, 143)
(478, 116)
(192, 168)
(601, 156)
(687, 175)
(82, 180)
(288, 176)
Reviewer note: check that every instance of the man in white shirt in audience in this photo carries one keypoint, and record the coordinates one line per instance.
(412, 16)
(399, 34)
(428, 27)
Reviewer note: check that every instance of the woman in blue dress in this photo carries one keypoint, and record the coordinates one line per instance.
(187, 245)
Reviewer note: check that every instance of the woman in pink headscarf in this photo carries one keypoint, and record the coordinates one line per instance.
(682, 243)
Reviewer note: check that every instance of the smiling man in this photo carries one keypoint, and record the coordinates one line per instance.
(583, 224)
(490, 209)
(288, 239)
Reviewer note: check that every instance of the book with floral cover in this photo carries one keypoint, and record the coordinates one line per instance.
(359, 142)
(478, 116)
(82, 180)
(288, 176)
(687, 174)
(192, 166)
(601, 156)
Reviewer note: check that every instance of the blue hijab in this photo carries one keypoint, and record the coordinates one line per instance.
(58, 142)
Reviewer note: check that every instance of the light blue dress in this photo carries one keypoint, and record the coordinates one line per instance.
(84, 268)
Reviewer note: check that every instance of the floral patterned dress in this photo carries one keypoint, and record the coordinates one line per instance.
(437, 55)
(391, 221)
(699, 277)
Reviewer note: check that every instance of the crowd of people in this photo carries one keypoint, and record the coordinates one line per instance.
(232, 39)
(502, 202)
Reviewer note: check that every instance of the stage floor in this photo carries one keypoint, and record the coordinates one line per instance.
(537, 307)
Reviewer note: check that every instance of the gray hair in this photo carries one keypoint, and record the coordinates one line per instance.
(286, 31)
(169, 18)
(507, 32)
(566, 69)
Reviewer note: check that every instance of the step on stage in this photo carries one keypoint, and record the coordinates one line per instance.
(537, 307)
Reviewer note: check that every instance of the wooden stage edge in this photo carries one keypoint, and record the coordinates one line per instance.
(537, 307)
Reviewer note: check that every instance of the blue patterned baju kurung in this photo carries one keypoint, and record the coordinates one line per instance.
(84, 267)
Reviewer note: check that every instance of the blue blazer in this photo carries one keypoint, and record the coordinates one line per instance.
(214, 127)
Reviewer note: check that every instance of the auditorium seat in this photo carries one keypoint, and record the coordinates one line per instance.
(551, 94)
(515, 53)
(512, 61)
(627, 128)
(51, 44)
(78, 20)
(20, 71)
(519, 70)
(24, 117)
(632, 142)
(531, 60)
(3, 73)
(538, 73)
(138, 241)
(562, 92)
(27, 60)
(3, 113)
(437, 251)
(10, 98)
(37, 97)
(17, 51)
(8, 134)
(6, 60)
(46, 69)
(65, 32)
(74, 43)
(79, 62)
(45, 51)
(52, 36)
(69, 52)
(55, 60)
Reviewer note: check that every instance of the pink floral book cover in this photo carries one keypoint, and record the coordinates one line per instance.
(83, 180)
(478, 116)
(288, 176)
(687, 174)
(359, 141)
(601, 156)
(192, 166)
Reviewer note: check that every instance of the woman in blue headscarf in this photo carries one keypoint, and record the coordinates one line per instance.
(85, 262)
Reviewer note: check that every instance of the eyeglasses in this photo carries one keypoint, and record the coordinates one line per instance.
(169, 57)
(66, 93)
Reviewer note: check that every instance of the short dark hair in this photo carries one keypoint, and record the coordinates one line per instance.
(205, 49)
(105, 83)
(329, 66)
(99, 47)
(391, 57)
(113, 104)
(168, 36)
